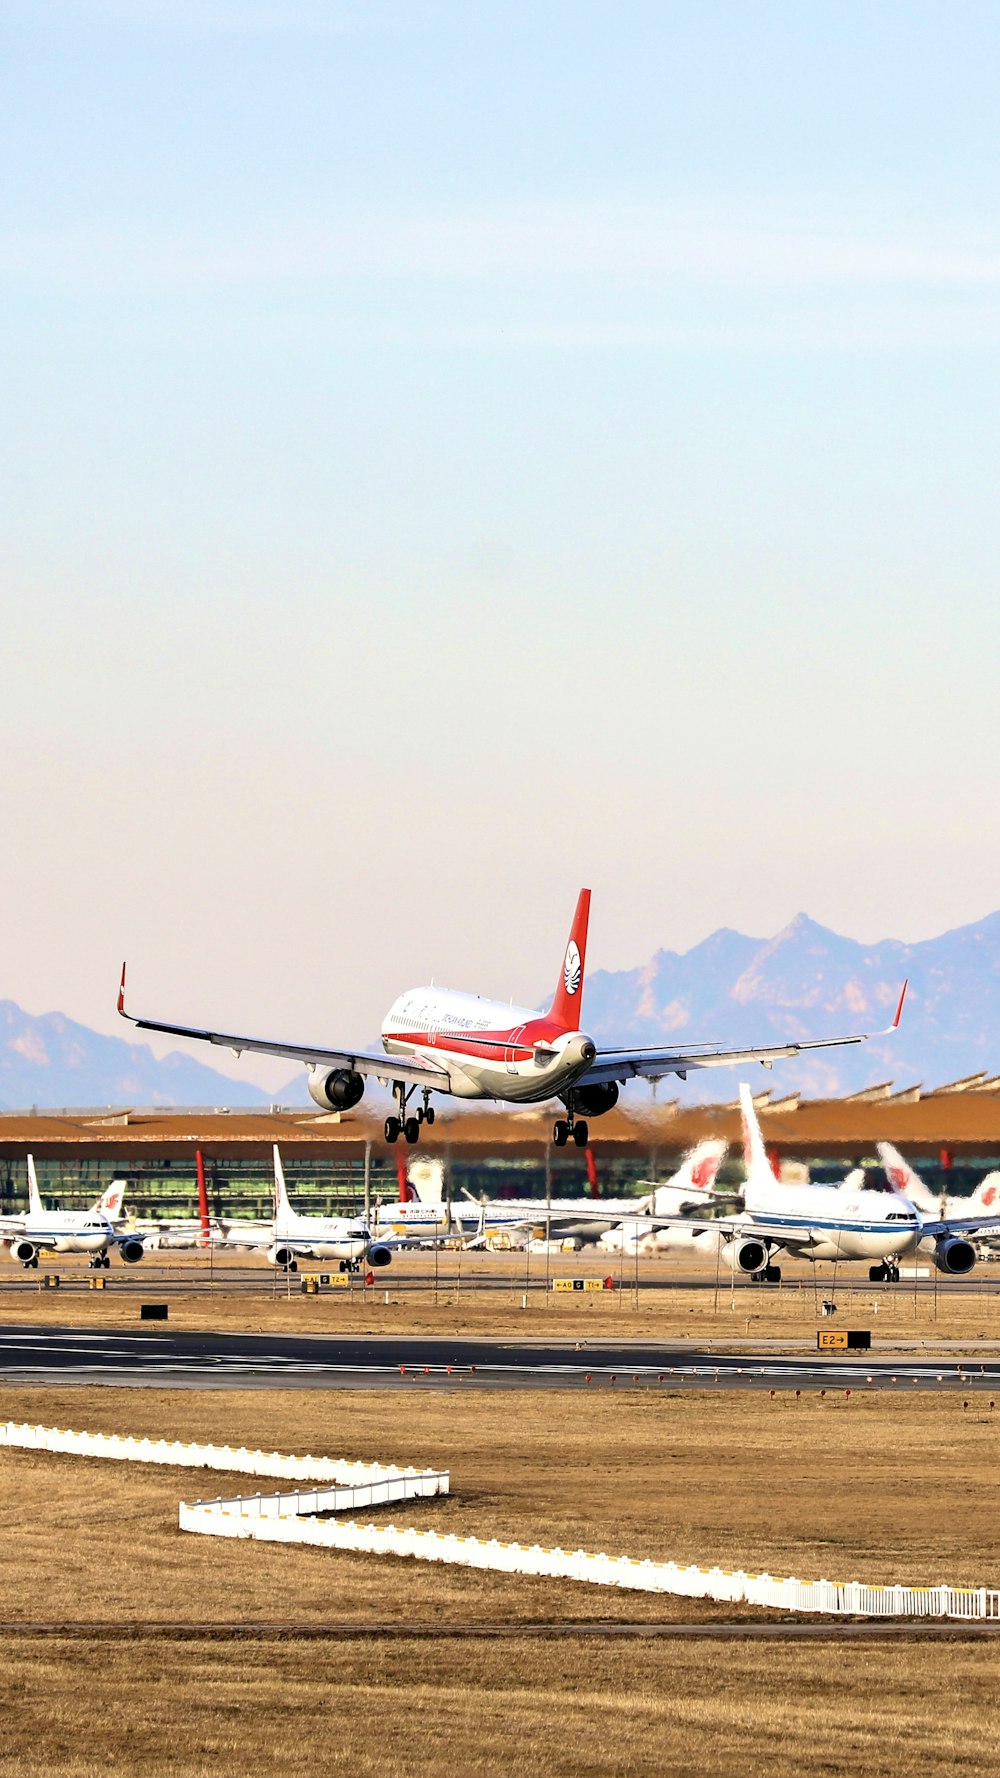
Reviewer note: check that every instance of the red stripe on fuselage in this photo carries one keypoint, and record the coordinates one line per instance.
(518, 1044)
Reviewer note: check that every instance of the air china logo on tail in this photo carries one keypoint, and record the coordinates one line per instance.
(703, 1172)
(571, 968)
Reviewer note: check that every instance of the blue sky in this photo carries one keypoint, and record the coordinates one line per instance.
(451, 452)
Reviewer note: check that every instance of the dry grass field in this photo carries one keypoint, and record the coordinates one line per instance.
(878, 1486)
(78, 1708)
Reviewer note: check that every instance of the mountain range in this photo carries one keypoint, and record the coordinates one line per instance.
(805, 982)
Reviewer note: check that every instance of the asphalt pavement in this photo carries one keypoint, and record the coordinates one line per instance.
(67, 1355)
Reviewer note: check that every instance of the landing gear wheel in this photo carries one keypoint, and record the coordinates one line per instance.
(411, 1130)
(772, 1275)
(429, 1115)
(560, 1133)
(392, 1129)
(33, 1263)
(581, 1135)
(877, 1274)
(892, 1274)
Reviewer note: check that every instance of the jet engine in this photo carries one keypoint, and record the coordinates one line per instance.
(379, 1256)
(131, 1250)
(282, 1256)
(595, 1100)
(954, 1256)
(25, 1251)
(335, 1090)
(744, 1256)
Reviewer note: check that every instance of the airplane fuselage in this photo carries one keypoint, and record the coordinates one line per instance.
(834, 1225)
(65, 1231)
(488, 1049)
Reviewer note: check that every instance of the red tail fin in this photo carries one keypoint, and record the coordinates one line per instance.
(569, 992)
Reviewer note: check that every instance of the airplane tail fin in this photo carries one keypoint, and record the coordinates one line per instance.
(425, 1180)
(696, 1174)
(283, 1212)
(566, 1004)
(903, 1179)
(760, 1177)
(987, 1196)
(110, 1205)
(34, 1195)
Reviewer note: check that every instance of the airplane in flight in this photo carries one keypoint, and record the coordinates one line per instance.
(438, 1040)
(69, 1231)
(813, 1222)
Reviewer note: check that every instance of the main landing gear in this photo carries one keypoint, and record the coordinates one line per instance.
(887, 1273)
(566, 1127)
(98, 1260)
(409, 1127)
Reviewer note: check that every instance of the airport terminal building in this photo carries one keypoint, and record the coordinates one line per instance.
(952, 1135)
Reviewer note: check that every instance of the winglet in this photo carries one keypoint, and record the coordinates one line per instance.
(121, 995)
(899, 1010)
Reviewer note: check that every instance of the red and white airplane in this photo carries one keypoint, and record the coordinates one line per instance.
(437, 1040)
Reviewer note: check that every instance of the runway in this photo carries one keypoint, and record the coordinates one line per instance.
(67, 1355)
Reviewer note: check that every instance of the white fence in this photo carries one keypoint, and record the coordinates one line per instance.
(292, 1518)
(358, 1478)
(261, 1518)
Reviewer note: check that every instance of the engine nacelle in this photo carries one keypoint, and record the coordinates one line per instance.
(379, 1256)
(595, 1100)
(131, 1250)
(748, 1255)
(954, 1256)
(282, 1256)
(25, 1251)
(335, 1089)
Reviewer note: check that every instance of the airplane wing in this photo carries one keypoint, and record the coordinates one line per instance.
(652, 1064)
(375, 1062)
(791, 1236)
(960, 1225)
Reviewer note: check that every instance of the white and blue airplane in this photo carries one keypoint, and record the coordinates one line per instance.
(290, 1237)
(93, 1232)
(813, 1222)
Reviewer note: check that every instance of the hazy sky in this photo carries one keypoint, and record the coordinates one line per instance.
(452, 452)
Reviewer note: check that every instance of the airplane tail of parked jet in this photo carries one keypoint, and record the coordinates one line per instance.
(568, 1000)
(987, 1196)
(696, 1174)
(34, 1195)
(903, 1178)
(284, 1215)
(110, 1205)
(759, 1186)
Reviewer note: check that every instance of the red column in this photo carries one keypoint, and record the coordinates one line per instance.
(404, 1190)
(595, 1189)
(946, 1159)
(206, 1227)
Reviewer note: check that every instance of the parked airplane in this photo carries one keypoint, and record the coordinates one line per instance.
(811, 1222)
(565, 1219)
(69, 1231)
(437, 1040)
(291, 1237)
(904, 1178)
